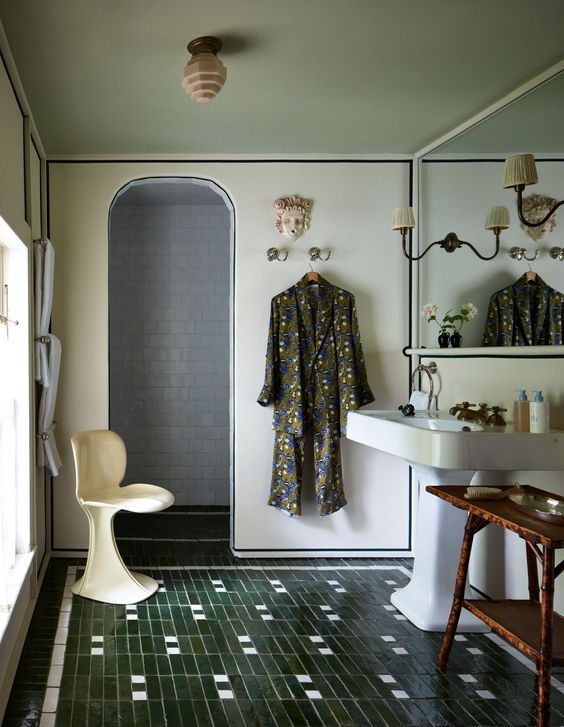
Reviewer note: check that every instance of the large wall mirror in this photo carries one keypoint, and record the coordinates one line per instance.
(460, 181)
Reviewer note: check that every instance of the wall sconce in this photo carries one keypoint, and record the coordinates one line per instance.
(519, 172)
(204, 74)
(404, 220)
(557, 253)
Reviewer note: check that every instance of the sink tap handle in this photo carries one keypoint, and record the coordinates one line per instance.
(408, 410)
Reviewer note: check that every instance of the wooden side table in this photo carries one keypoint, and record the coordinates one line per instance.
(529, 625)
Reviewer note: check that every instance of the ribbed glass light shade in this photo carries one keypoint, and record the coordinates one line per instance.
(520, 169)
(498, 217)
(403, 217)
(204, 76)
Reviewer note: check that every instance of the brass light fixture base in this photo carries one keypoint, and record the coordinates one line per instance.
(205, 44)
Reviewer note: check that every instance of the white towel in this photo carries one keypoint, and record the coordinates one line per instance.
(420, 401)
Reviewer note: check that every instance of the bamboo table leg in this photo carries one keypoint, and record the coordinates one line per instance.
(545, 658)
(474, 523)
(532, 573)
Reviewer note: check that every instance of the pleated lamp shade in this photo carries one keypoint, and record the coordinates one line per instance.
(498, 218)
(204, 74)
(403, 217)
(520, 169)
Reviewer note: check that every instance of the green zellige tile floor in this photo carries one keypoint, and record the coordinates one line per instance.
(245, 642)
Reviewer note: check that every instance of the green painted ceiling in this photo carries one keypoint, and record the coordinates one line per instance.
(304, 76)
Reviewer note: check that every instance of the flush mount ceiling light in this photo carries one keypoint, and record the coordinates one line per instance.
(519, 172)
(404, 221)
(204, 74)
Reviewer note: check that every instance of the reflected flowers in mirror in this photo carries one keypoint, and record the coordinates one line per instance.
(448, 322)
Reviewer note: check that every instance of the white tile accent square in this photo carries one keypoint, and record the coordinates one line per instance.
(137, 679)
(55, 675)
(387, 678)
(389, 607)
(139, 696)
(97, 651)
(244, 639)
(340, 590)
(334, 617)
(58, 657)
(225, 694)
(261, 607)
(399, 650)
(221, 678)
(391, 583)
(333, 583)
(276, 583)
(313, 694)
(97, 639)
(281, 590)
(325, 608)
(460, 637)
(220, 589)
(325, 651)
(467, 678)
(173, 650)
(316, 639)
(131, 608)
(400, 617)
(303, 678)
(388, 638)
(474, 650)
(196, 607)
(217, 582)
(61, 636)
(200, 617)
(267, 617)
(171, 639)
(400, 694)
(249, 650)
(485, 694)
(51, 699)
(132, 617)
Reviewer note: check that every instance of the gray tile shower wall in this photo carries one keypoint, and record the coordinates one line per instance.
(169, 271)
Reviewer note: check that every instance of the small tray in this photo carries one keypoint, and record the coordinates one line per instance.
(546, 508)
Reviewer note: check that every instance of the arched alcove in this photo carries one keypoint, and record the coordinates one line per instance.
(170, 278)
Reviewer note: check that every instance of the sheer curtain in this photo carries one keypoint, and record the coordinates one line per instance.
(7, 474)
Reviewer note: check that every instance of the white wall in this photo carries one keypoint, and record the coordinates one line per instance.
(351, 216)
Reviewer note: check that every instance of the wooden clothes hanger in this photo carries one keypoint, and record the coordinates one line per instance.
(531, 276)
(312, 276)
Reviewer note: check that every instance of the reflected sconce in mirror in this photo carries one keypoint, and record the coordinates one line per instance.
(519, 172)
(404, 221)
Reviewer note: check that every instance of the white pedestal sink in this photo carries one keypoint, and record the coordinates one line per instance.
(442, 452)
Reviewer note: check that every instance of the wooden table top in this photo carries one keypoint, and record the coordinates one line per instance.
(506, 514)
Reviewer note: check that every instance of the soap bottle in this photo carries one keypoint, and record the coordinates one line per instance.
(538, 414)
(521, 412)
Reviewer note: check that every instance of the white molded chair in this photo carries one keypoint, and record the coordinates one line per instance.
(100, 459)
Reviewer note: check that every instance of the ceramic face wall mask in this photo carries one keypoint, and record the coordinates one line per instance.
(292, 216)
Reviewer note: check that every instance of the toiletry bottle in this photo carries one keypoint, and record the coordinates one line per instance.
(521, 412)
(538, 414)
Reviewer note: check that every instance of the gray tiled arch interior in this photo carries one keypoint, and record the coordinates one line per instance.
(169, 288)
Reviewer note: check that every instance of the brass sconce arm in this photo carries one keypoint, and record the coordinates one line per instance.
(519, 189)
(450, 243)
(404, 221)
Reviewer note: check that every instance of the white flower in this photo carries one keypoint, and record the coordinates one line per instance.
(429, 310)
(472, 310)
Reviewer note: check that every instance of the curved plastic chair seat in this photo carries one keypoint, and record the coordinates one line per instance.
(100, 461)
(134, 498)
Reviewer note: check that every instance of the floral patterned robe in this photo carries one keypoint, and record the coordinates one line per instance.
(314, 375)
(525, 314)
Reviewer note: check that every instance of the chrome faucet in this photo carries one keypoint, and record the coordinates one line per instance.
(429, 370)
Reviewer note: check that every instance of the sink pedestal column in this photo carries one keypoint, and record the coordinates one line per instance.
(427, 599)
